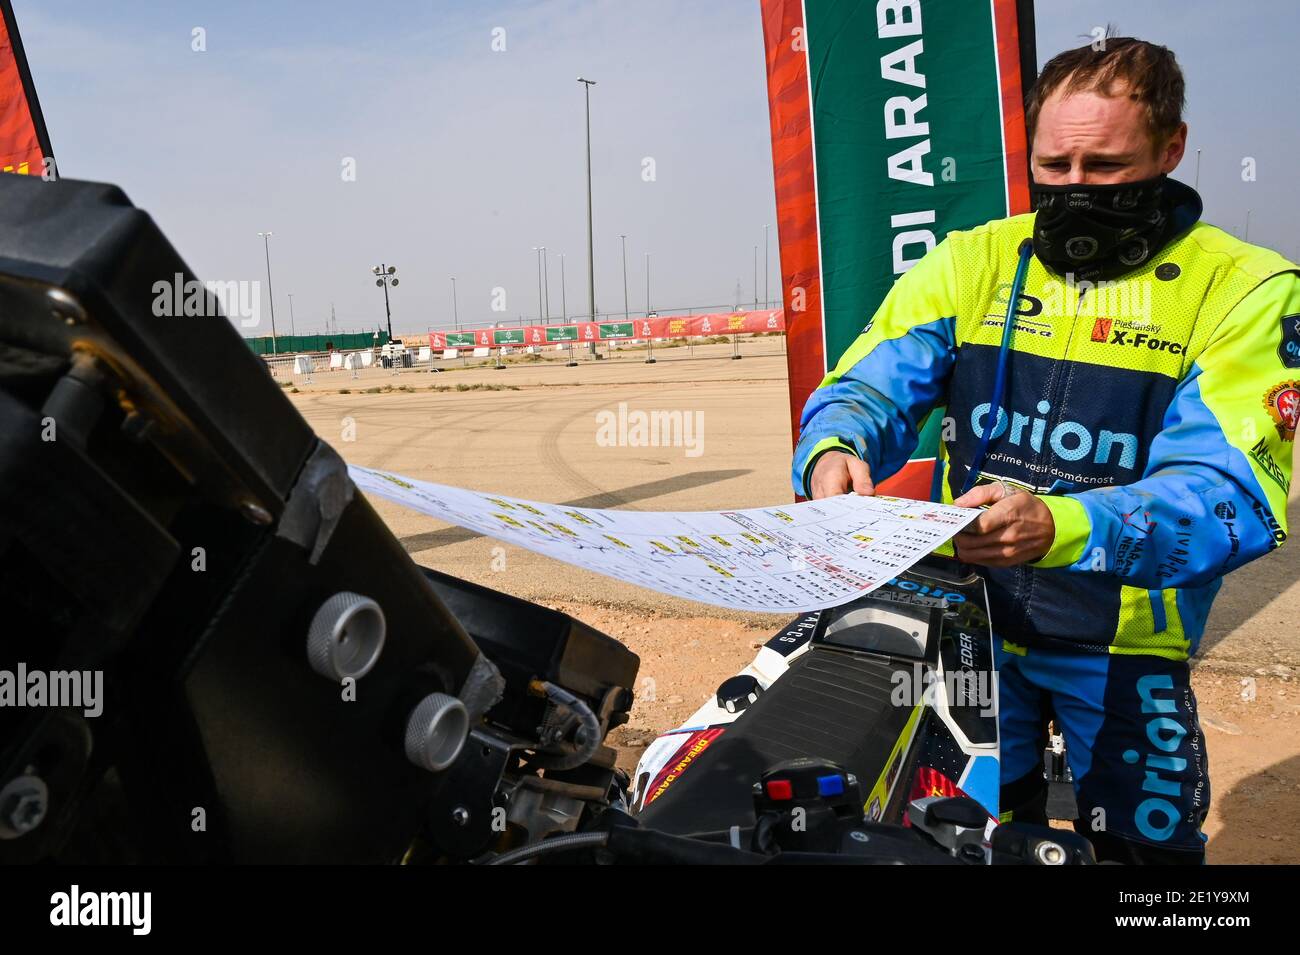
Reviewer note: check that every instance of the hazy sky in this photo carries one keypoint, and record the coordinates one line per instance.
(467, 158)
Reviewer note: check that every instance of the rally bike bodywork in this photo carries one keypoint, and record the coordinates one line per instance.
(897, 688)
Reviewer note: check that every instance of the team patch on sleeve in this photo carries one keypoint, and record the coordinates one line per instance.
(1289, 349)
(1282, 402)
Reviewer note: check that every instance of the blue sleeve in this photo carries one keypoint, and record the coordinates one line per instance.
(889, 379)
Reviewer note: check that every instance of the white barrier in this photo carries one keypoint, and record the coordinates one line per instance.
(482, 353)
(277, 365)
(352, 362)
(449, 353)
(302, 365)
(367, 358)
(336, 360)
(426, 354)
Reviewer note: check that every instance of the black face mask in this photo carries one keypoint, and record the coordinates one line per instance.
(1100, 232)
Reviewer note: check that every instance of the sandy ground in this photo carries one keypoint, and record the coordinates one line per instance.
(530, 430)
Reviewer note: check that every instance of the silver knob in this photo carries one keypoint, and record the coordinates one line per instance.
(1050, 853)
(436, 731)
(345, 637)
(23, 804)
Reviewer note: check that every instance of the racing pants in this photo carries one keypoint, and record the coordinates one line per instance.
(1133, 744)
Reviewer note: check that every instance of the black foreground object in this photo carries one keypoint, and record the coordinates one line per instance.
(214, 651)
(168, 519)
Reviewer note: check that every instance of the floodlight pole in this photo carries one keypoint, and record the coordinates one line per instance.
(270, 293)
(386, 275)
(591, 254)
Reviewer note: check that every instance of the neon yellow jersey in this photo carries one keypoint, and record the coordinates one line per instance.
(1155, 415)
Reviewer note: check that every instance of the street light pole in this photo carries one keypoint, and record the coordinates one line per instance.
(625, 308)
(455, 312)
(292, 333)
(591, 253)
(767, 301)
(270, 293)
(564, 295)
(538, 250)
(546, 281)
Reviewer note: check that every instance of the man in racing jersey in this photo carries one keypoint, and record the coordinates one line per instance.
(1130, 435)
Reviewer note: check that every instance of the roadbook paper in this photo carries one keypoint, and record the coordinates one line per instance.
(783, 559)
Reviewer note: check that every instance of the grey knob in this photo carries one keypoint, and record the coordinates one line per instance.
(345, 637)
(23, 804)
(436, 731)
(1050, 853)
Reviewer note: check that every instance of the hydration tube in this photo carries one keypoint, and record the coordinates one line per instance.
(1000, 379)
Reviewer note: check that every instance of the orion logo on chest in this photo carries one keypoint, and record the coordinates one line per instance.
(1069, 440)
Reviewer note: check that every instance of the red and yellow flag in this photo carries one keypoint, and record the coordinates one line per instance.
(24, 142)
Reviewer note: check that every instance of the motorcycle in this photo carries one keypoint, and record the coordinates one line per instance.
(279, 676)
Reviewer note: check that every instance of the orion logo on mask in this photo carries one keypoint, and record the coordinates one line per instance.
(1069, 440)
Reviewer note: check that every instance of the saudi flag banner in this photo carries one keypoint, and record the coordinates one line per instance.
(616, 330)
(913, 127)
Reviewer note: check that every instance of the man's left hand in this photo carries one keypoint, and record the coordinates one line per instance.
(1018, 528)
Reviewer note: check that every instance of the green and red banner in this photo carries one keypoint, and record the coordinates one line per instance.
(24, 143)
(640, 329)
(893, 123)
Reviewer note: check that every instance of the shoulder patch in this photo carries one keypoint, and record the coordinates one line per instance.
(1289, 349)
(1282, 402)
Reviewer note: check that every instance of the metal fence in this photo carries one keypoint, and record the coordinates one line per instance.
(342, 341)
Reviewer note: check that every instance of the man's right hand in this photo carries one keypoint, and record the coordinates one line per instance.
(838, 473)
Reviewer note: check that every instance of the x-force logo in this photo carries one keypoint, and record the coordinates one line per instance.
(1141, 340)
(1101, 329)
